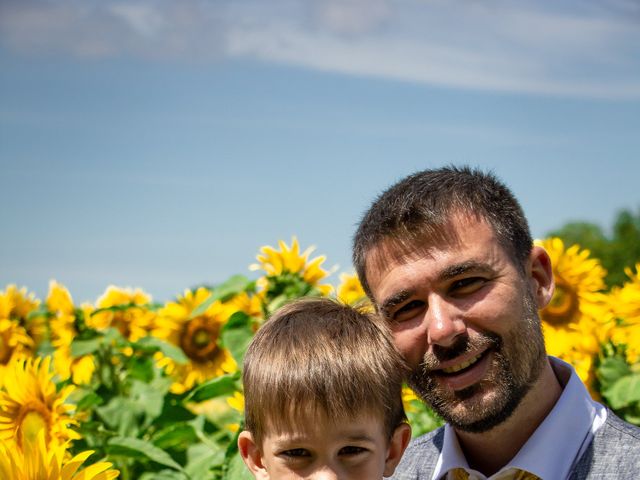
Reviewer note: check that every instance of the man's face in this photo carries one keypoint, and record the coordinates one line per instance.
(464, 317)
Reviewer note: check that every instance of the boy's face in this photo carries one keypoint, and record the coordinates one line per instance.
(353, 449)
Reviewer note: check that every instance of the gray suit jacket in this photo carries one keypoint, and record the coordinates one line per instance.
(614, 453)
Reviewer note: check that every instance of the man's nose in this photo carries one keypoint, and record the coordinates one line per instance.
(444, 322)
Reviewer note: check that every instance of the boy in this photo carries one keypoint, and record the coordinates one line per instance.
(322, 385)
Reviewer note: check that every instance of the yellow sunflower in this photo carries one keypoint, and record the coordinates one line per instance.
(290, 260)
(236, 402)
(63, 331)
(350, 291)
(39, 461)
(408, 396)
(249, 304)
(198, 336)
(578, 318)
(29, 404)
(625, 302)
(14, 343)
(17, 304)
(133, 322)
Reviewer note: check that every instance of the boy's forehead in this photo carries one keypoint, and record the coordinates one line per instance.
(364, 426)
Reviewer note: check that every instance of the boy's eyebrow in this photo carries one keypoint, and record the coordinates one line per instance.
(359, 437)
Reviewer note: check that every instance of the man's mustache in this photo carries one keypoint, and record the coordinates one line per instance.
(463, 345)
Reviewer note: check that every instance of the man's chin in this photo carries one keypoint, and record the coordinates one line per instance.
(475, 409)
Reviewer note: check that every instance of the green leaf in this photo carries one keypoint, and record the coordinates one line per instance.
(175, 435)
(200, 459)
(91, 399)
(153, 344)
(164, 475)
(136, 448)
(624, 392)
(216, 387)
(236, 335)
(233, 286)
(121, 414)
(149, 398)
(85, 347)
(141, 368)
(611, 370)
(223, 292)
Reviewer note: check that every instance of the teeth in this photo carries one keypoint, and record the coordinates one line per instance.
(460, 366)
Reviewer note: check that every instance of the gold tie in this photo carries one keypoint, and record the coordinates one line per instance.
(462, 474)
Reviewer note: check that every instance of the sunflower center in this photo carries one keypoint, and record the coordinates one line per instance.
(35, 418)
(123, 324)
(200, 339)
(5, 350)
(563, 306)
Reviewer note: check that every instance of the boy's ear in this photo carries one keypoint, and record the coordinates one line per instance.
(397, 445)
(541, 276)
(252, 456)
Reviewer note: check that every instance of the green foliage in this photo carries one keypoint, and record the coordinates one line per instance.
(619, 250)
(421, 418)
(619, 383)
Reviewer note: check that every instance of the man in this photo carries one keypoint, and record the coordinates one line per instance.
(447, 257)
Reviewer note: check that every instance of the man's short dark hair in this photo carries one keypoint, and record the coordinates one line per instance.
(422, 205)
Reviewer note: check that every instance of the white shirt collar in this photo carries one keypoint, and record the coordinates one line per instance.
(555, 445)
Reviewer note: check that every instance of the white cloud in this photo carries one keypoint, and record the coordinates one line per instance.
(574, 48)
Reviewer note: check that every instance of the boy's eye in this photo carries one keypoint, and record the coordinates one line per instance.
(296, 453)
(351, 450)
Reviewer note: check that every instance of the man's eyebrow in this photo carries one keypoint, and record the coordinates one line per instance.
(453, 271)
(394, 300)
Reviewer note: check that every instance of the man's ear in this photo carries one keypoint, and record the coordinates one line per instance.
(252, 455)
(541, 276)
(397, 445)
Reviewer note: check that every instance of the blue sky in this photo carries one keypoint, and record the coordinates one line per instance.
(159, 144)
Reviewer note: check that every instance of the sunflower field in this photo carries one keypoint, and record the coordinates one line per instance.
(131, 389)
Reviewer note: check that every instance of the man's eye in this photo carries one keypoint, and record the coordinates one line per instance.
(351, 450)
(408, 310)
(467, 285)
(296, 453)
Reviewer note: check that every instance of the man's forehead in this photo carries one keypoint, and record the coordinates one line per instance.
(407, 245)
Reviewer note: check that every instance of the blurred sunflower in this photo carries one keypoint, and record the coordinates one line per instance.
(37, 461)
(625, 302)
(14, 343)
(578, 318)
(63, 330)
(350, 291)
(249, 304)
(16, 304)
(198, 335)
(409, 396)
(133, 319)
(29, 404)
(289, 260)
(236, 402)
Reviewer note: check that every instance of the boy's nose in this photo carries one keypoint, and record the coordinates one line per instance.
(326, 473)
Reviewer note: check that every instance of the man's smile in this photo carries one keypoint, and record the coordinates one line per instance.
(461, 373)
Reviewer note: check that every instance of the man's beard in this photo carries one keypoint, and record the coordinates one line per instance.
(518, 360)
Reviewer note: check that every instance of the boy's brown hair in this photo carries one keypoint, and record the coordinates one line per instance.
(316, 358)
